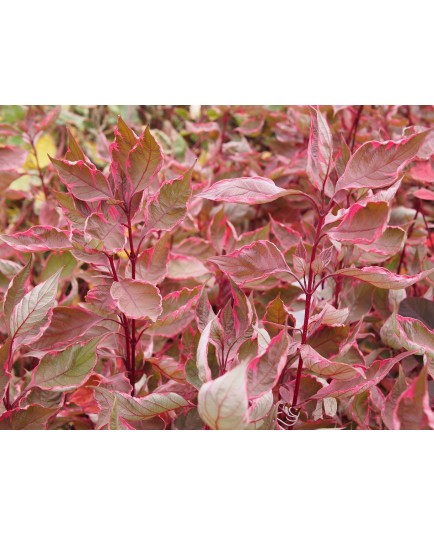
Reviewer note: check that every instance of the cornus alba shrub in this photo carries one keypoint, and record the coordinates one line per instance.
(222, 286)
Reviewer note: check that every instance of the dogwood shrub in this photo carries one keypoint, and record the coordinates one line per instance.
(219, 267)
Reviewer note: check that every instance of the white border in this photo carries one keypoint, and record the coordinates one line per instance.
(216, 483)
(229, 52)
(226, 52)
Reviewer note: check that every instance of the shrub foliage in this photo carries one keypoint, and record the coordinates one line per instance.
(219, 267)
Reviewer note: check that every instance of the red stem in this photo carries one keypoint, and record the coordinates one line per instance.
(309, 293)
(133, 259)
(130, 340)
(9, 363)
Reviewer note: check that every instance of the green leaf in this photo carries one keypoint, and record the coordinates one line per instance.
(135, 409)
(66, 370)
(32, 418)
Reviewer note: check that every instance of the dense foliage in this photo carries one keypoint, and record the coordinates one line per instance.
(217, 267)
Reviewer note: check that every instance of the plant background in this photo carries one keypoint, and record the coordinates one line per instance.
(225, 142)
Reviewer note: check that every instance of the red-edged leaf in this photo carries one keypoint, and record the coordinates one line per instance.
(177, 313)
(376, 164)
(39, 238)
(415, 335)
(256, 261)
(169, 367)
(137, 299)
(75, 152)
(32, 314)
(285, 234)
(321, 366)
(32, 418)
(83, 181)
(383, 278)
(69, 369)
(168, 206)
(203, 369)
(151, 264)
(361, 224)
(125, 140)
(11, 160)
(413, 411)
(264, 371)
(136, 409)
(103, 234)
(223, 403)
(374, 375)
(389, 243)
(245, 190)
(144, 160)
(320, 149)
(68, 325)
(16, 291)
(420, 308)
(222, 233)
(392, 398)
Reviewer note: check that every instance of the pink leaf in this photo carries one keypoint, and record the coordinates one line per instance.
(223, 403)
(376, 164)
(361, 224)
(38, 238)
(414, 335)
(321, 366)
(392, 399)
(413, 410)
(285, 234)
(320, 149)
(11, 160)
(389, 243)
(383, 278)
(137, 299)
(32, 314)
(245, 190)
(374, 375)
(264, 371)
(250, 263)
(177, 313)
(151, 264)
(202, 128)
(424, 194)
(104, 235)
